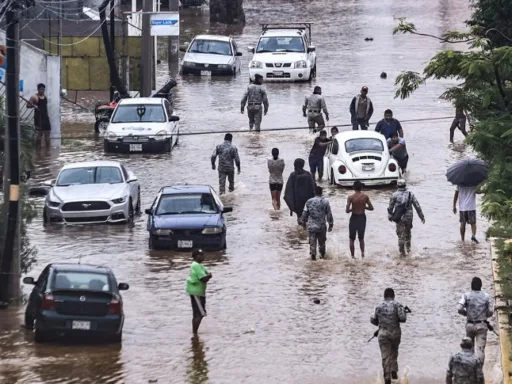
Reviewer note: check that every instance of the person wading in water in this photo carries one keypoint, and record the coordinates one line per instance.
(357, 203)
(41, 119)
(276, 168)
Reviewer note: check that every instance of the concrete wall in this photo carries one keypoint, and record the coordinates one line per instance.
(37, 66)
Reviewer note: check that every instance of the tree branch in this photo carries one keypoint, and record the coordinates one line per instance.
(500, 85)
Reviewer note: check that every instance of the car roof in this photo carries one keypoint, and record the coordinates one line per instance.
(88, 164)
(176, 189)
(285, 32)
(69, 267)
(141, 100)
(359, 134)
(213, 37)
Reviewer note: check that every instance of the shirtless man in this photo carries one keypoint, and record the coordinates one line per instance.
(357, 203)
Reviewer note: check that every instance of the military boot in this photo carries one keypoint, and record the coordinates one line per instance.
(313, 257)
(394, 376)
(408, 246)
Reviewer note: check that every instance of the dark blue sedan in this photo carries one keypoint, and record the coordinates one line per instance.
(75, 299)
(187, 216)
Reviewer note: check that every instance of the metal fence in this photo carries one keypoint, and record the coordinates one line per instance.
(26, 114)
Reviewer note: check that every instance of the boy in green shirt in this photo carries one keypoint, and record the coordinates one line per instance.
(196, 288)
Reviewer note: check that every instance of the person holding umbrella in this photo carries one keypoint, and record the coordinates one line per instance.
(467, 175)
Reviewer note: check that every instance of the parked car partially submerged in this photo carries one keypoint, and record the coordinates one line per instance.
(92, 192)
(187, 216)
(75, 299)
(360, 155)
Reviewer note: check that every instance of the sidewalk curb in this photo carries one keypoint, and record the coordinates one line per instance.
(502, 320)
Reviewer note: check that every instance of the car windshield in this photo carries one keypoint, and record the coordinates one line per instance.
(89, 175)
(280, 44)
(189, 203)
(367, 144)
(81, 280)
(211, 46)
(150, 113)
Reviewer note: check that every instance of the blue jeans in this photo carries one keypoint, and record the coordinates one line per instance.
(316, 165)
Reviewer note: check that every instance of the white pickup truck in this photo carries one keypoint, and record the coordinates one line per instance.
(284, 53)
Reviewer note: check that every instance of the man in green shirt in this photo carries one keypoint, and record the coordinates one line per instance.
(196, 288)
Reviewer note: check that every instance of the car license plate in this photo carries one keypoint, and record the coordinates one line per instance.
(206, 73)
(185, 243)
(278, 73)
(368, 167)
(135, 147)
(83, 325)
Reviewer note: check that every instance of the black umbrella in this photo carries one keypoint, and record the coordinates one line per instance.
(468, 173)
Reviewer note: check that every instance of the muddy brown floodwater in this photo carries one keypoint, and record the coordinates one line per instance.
(263, 326)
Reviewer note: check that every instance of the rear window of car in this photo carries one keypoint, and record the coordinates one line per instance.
(135, 113)
(81, 280)
(186, 203)
(366, 144)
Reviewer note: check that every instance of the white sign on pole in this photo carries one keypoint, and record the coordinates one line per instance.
(165, 24)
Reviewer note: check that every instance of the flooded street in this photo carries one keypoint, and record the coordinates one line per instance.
(262, 324)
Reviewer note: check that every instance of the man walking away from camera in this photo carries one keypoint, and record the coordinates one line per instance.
(400, 211)
(254, 97)
(314, 105)
(316, 211)
(467, 210)
(387, 316)
(228, 155)
(357, 203)
(316, 156)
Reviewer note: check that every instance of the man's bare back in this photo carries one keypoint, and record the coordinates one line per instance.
(357, 203)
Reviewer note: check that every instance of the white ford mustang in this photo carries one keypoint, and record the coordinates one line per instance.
(360, 155)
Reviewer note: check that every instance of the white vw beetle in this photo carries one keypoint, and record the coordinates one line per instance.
(360, 155)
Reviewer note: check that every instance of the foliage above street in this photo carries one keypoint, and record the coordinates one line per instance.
(484, 90)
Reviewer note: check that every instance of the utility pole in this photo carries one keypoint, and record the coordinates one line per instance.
(173, 44)
(10, 258)
(112, 44)
(146, 62)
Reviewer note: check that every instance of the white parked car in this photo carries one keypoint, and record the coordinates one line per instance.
(211, 55)
(284, 53)
(360, 155)
(92, 192)
(144, 124)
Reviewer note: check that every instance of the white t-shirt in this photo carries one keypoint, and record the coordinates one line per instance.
(467, 198)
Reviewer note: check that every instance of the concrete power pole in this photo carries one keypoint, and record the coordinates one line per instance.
(174, 44)
(146, 61)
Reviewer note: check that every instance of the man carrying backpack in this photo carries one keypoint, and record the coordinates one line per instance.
(400, 211)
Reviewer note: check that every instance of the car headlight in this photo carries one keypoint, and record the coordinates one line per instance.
(111, 135)
(162, 232)
(120, 200)
(162, 134)
(188, 64)
(256, 64)
(223, 66)
(300, 64)
(53, 204)
(212, 230)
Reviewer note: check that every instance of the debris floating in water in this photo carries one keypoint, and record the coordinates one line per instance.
(316, 300)
(383, 75)
(368, 39)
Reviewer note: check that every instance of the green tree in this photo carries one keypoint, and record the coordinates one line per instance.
(484, 89)
(28, 213)
(494, 16)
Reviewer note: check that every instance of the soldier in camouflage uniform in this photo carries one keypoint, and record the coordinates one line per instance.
(464, 366)
(314, 105)
(254, 97)
(228, 154)
(316, 211)
(477, 306)
(403, 228)
(387, 316)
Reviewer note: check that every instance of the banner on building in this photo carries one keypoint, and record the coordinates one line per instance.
(165, 24)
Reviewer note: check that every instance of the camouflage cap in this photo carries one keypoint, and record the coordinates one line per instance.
(466, 343)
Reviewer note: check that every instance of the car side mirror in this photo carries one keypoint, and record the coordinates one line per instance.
(239, 53)
(49, 183)
(311, 48)
(131, 179)
(227, 209)
(183, 48)
(148, 211)
(250, 49)
(174, 118)
(29, 280)
(123, 287)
